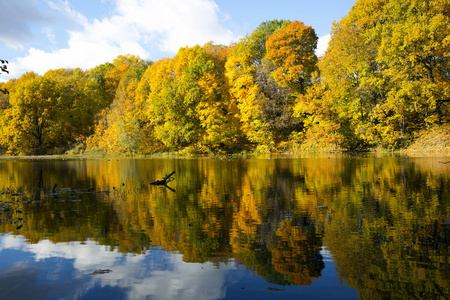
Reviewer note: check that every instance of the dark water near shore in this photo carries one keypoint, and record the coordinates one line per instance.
(303, 228)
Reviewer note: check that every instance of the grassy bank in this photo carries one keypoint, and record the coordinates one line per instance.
(436, 140)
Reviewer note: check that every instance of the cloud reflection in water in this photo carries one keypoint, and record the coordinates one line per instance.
(45, 269)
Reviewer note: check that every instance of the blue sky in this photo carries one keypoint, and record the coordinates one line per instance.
(38, 35)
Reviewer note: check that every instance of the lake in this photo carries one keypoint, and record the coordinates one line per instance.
(337, 227)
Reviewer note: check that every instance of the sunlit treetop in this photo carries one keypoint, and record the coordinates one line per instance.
(292, 49)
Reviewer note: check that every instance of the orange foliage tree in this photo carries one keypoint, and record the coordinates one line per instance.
(292, 50)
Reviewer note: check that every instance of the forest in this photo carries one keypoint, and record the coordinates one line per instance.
(383, 82)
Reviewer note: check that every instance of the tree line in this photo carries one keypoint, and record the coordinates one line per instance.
(383, 79)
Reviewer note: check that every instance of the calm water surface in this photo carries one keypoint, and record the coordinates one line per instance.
(287, 228)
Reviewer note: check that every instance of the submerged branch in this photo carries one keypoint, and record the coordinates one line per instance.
(164, 181)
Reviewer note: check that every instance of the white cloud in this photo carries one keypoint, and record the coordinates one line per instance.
(136, 27)
(176, 23)
(64, 8)
(322, 45)
(50, 34)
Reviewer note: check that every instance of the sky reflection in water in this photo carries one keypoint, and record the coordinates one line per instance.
(48, 271)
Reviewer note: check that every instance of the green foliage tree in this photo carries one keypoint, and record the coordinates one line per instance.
(99, 74)
(188, 101)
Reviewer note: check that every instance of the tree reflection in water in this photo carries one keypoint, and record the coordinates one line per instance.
(384, 220)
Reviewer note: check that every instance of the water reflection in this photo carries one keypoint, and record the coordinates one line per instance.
(66, 270)
(155, 274)
(385, 222)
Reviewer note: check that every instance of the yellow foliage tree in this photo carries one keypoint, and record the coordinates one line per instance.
(119, 125)
(48, 114)
(385, 73)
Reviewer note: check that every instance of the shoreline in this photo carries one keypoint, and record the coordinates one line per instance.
(298, 154)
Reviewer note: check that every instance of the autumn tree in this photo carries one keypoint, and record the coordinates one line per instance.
(414, 43)
(166, 107)
(266, 70)
(99, 74)
(118, 127)
(79, 101)
(385, 72)
(217, 111)
(154, 85)
(350, 75)
(247, 62)
(188, 103)
(292, 51)
(48, 114)
(33, 105)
